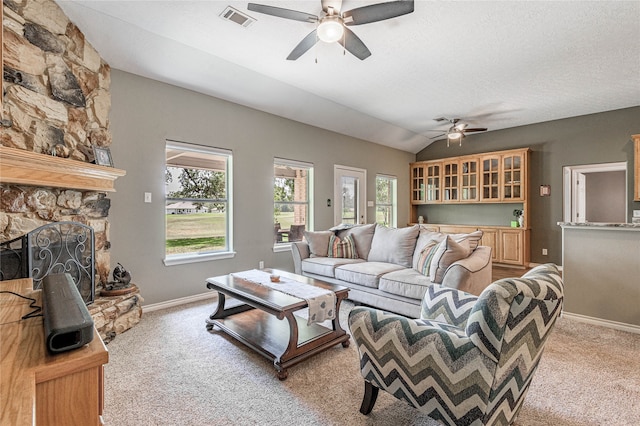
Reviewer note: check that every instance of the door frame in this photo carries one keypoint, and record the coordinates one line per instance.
(339, 170)
(573, 194)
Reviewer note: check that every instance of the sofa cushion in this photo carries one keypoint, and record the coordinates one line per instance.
(325, 265)
(405, 282)
(318, 242)
(366, 273)
(448, 252)
(345, 248)
(394, 245)
(423, 238)
(362, 235)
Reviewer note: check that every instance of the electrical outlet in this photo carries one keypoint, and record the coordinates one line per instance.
(544, 252)
(261, 264)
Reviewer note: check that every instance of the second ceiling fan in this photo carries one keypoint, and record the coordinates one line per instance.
(457, 130)
(332, 25)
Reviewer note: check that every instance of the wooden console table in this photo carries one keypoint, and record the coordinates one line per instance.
(37, 388)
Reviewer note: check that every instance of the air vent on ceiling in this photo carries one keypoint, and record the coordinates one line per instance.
(234, 15)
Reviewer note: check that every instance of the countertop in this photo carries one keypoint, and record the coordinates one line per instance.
(601, 225)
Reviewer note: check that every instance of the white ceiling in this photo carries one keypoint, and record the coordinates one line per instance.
(499, 64)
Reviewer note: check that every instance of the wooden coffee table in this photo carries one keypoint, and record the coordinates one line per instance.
(256, 313)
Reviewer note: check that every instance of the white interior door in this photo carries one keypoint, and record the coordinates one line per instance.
(350, 189)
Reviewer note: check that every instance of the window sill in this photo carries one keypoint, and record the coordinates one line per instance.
(280, 248)
(194, 258)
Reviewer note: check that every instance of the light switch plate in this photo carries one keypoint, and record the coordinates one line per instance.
(636, 213)
(147, 197)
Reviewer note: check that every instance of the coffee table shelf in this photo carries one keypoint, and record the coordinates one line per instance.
(265, 320)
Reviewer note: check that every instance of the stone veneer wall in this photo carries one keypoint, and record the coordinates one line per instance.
(56, 94)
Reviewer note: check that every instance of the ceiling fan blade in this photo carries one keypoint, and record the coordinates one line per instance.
(439, 136)
(282, 13)
(306, 44)
(335, 4)
(377, 12)
(354, 45)
(475, 129)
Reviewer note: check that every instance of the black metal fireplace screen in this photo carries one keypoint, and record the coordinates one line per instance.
(58, 247)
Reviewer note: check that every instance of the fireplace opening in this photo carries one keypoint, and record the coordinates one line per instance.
(59, 247)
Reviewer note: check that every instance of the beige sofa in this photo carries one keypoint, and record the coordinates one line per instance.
(392, 268)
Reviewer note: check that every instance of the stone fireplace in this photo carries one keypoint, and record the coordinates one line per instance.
(55, 109)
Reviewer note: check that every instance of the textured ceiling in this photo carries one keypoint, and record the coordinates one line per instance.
(497, 64)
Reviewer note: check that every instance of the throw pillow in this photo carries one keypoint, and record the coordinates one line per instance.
(362, 235)
(473, 238)
(424, 237)
(394, 245)
(345, 248)
(318, 242)
(448, 252)
(426, 256)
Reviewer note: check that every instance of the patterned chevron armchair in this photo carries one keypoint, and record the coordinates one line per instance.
(470, 359)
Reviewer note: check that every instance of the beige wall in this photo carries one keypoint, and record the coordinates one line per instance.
(145, 113)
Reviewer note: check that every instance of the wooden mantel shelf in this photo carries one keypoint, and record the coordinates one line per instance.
(21, 167)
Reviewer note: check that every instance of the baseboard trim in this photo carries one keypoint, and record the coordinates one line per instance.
(631, 328)
(180, 301)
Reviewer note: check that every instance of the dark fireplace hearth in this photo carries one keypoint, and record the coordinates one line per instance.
(59, 247)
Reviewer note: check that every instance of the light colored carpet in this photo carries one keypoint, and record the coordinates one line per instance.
(169, 370)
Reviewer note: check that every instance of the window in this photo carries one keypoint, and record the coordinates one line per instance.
(198, 203)
(292, 195)
(386, 200)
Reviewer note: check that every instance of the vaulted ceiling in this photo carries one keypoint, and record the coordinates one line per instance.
(494, 64)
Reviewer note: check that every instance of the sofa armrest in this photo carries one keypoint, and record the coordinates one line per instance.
(472, 274)
(300, 251)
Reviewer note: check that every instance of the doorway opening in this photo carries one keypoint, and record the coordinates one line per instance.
(595, 193)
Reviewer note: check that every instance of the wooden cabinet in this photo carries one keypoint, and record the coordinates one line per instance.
(417, 183)
(36, 387)
(469, 180)
(509, 246)
(433, 172)
(494, 177)
(636, 167)
(490, 184)
(450, 181)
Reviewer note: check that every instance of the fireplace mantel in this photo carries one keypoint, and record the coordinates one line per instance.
(21, 167)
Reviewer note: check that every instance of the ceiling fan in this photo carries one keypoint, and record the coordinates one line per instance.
(332, 24)
(457, 130)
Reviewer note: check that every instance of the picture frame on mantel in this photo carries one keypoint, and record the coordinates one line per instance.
(102, 156)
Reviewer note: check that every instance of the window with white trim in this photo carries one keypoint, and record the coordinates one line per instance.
(292, 200)
(198, 203)
(386, 200)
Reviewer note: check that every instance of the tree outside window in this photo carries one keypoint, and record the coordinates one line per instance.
(386, 201)
(292, 186)
(197, 201)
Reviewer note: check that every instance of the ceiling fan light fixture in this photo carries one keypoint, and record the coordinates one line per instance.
(330, 29)
(454, 135)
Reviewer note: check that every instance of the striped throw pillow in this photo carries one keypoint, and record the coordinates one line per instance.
(426, 256)
(345, 248)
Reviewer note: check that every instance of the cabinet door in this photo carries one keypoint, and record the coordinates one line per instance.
(490, 238)
(468, 173)
(433, 182)
(511, 247)
(450, 181)
(417, 184)
(490, 185)
(513, 174)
